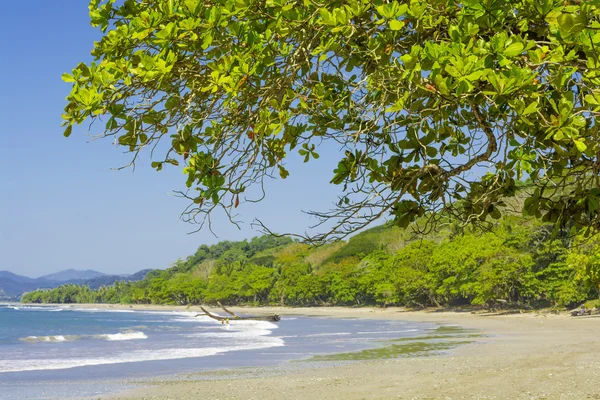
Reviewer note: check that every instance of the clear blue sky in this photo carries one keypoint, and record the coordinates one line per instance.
(61, 206)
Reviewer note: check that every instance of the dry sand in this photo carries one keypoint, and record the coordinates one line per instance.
(526, 356)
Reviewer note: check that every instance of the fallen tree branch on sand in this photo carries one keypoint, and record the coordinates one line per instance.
(227, 311)
(235, 317)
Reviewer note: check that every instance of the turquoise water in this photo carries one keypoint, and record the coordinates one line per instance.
(43, 345)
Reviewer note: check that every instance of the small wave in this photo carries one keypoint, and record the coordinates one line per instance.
(329, 334)
(239, 331)
(131, 335)
(102, 310)
(230, 334)
(135, 356)
(172, 313)
(133, 328)
(386, 332)
(34, 308)
(193, 318)
(124, 336)
(50, 339)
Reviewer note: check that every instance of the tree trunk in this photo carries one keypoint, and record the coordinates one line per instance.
(235, 317)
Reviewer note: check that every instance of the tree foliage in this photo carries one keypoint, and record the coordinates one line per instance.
(519, 263)
(437, 105)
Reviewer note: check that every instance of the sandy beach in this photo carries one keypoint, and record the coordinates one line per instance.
(523, 356)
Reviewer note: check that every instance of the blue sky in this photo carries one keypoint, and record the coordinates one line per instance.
(61, 205)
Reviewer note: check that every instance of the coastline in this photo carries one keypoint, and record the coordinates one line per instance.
(524, 356)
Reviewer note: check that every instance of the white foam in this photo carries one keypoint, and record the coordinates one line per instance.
(195, 319)
(172, 313)
(329, 334)
(101, 310)
(50, 339)
(241, 332)
(230, 334)
(133, 335)
(33, 308)
(135, 356)
(241, 335)
(125, 336)
(385, 332)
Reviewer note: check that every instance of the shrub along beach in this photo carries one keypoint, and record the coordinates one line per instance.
(519, 263)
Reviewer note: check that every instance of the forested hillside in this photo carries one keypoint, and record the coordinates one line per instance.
(518, 262)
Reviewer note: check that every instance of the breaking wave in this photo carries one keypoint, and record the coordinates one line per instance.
(238, 336)
(124, 336)
(133, 335)
(34, 308)
(135, 356)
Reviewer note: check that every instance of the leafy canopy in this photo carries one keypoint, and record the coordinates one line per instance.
(437, 105)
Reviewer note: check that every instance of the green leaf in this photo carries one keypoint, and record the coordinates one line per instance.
(207, 41)
(326, 16)
(571, 24)
(283, 173)
(593, 204)
(580, 145)
(513, 50)
(495, 213)
(172, 102)
(396, 25)
(68, 131)
(531, 205)
(431, 152)
(531, 108)
(68, 77)
(398, 106)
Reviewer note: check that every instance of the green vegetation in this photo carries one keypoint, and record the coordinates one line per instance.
(518, 263)
(411, 349)
(419, 96)
(440, 339)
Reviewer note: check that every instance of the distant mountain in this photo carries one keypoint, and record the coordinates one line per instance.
(72, 275)
(12, 286)
(108, 280)
(6, 275)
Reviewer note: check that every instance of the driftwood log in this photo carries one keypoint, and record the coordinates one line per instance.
(234, 317)
(578, 312)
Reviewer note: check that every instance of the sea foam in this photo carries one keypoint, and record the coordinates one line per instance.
(35, 308)
(134, 356)
(238, 336)
(125, 336)
(132, 335)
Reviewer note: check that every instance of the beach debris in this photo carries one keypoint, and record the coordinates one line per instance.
(581, 311)
(235, 317)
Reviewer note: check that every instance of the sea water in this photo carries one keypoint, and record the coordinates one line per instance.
(44, 345)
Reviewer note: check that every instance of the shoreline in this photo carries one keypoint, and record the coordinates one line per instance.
(524, 356)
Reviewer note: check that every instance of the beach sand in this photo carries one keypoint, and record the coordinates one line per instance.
(524, 356)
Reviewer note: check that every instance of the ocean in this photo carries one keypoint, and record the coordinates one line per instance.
(83, 349)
